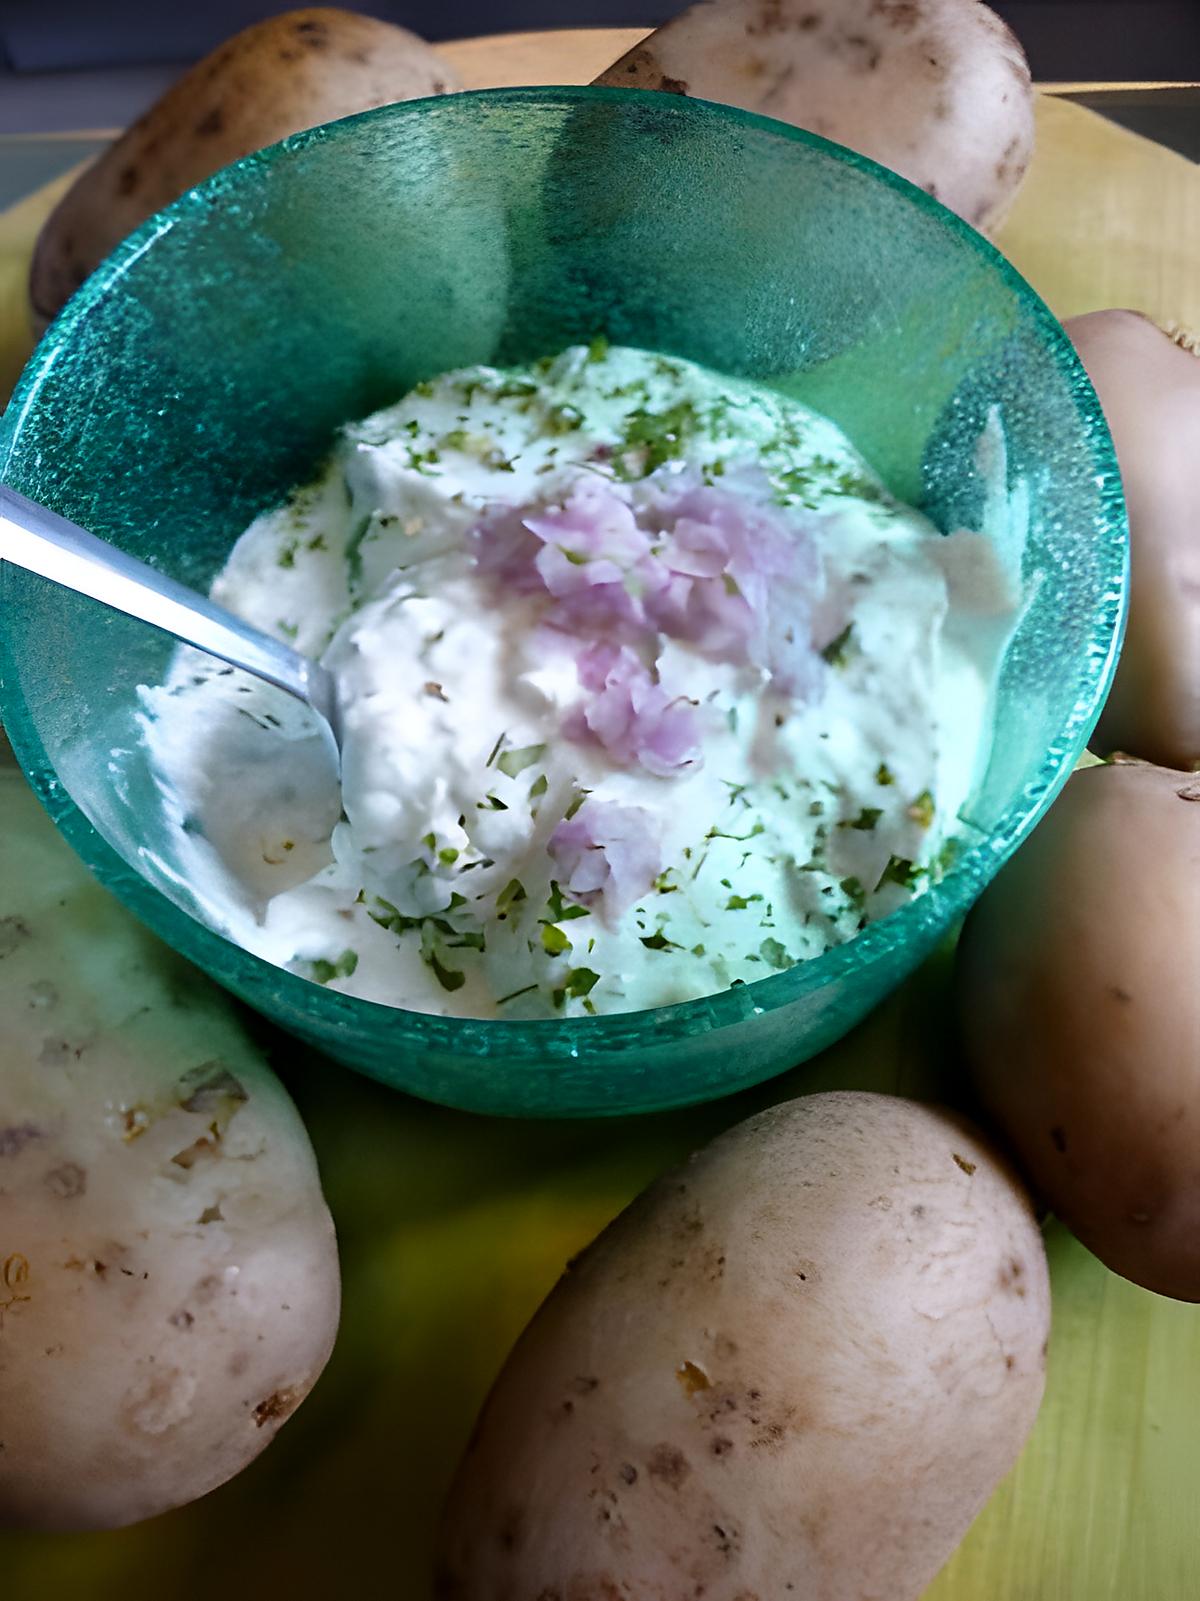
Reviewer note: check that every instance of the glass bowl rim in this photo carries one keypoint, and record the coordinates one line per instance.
(565, 1039)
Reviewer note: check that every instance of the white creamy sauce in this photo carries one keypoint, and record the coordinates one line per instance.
(600, 758)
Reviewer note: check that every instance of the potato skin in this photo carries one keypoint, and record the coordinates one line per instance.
(275, 78)
(796, 1366)
(937, 90)
(1079, 985)
(1149, 387)
(169, 1285)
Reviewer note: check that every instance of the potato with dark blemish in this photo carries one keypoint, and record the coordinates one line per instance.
(938, 90)
(1080, 1000)
(822, 1419)
(1149, 386)
(168, 1271)
(276, 78)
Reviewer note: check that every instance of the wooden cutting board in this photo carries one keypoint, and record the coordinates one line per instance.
(452, 1228)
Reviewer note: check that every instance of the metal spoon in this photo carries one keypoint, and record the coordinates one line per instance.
(33, 537)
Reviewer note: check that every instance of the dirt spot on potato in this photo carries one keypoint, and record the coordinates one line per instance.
(277, 1406)
(512, 1529)
(17, 1136)
(903, 15)
(211, 123)
(961, 1161)
(14, 931)
(770, 19)
(721, 1446)
(692, 1378)
(182, 1319)
(1012, 1277)
(668, 1465)
(1121, 996)
(805, 1272)
(728, 1539)
(127, 180)
(313, 34)
(1058, 1138)
(584, 1384)
(66, 1182)
(212, 1091)
(864, 54)
(627, 1473)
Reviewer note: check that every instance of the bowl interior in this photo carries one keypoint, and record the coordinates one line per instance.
(204, 369)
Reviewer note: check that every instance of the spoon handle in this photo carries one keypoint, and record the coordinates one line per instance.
(33, 537)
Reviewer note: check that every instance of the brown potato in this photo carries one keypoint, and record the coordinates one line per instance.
(938, 90)
(1080, 1004)
(1149, 387)
(795, 1367)
(288, 73)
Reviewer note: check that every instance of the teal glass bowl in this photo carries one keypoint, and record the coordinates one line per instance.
(203, 371)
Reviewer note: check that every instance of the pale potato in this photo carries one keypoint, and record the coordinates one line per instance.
(276, 78)
(938, 90)
(795, 1367)
(1079, 983)
(1149, 386)
(168, 1271)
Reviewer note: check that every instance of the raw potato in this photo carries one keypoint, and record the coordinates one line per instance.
(794, 1368)
(1080, 995)
(168, 1270)
(288, 73)
(1149, 387)
(938, 90)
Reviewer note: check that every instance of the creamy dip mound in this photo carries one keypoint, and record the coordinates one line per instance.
(650, 688)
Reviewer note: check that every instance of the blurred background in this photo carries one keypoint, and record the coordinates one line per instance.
(94, 64)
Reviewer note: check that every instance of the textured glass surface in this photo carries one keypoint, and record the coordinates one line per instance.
(203, 370)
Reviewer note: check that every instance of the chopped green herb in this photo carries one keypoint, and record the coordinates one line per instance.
(773, 953)
(447, 855)
(853, 890)
(563, 911)
(325, 971)
(554, 941)
(698, 950)
(922, 809)
(539, 787)
(449, 978)
(884, 774)
(659, 436)
(354, 560)
(597, 348)
(900, 870)
(865, 821)
(564, 419)
(837, 652)
(512, 762)
(658, 941)
(513, 994)
(511, 895)
(287, 556)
